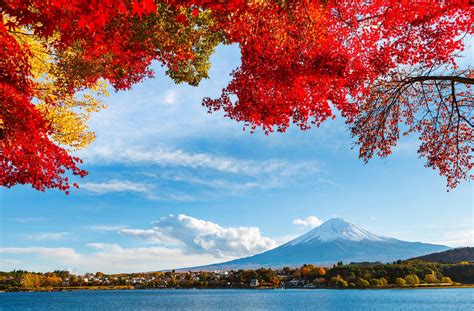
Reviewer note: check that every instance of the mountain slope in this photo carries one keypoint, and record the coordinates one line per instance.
(333, 241)
(450, 256)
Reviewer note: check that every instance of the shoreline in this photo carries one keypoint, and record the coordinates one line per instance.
(131, 288)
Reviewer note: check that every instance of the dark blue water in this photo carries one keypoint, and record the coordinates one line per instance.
(386, 300)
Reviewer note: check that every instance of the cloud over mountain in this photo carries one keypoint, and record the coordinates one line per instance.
(201, 236)
(308, 222)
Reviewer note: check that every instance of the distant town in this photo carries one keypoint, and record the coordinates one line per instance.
(399, 274)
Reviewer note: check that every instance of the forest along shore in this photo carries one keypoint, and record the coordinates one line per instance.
(411, 274)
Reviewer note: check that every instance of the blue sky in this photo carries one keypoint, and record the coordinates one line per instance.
(173, 186)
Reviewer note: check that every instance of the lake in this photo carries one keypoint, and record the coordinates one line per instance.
(235, 299)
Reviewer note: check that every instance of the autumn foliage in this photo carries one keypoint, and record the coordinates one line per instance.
(386, 65)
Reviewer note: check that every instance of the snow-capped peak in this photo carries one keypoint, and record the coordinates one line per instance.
(337, 229)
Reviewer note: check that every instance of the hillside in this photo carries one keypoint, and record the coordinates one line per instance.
(450, 256)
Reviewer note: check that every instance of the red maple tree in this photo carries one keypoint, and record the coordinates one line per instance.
(386, 65)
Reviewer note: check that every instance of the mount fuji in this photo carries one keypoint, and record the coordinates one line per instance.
(335, 240)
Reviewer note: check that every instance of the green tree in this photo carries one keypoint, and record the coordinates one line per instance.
(362, 283)
(338, 281)
(266, 275)
(286, 270)
(172, 283)
(248, 275)
(375, 282)
(412, 279)
(431, 277)
(400, 282)
(446, 280)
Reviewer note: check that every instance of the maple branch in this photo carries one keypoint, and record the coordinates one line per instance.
(459, 79)
(460, 115)
(455, 105)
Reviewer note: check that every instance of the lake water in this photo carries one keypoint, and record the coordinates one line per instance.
(291, 299)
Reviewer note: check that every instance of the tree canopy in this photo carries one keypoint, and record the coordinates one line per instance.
(387, 66)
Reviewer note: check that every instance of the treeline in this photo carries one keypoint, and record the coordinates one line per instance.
(408, 273)
(355, 275)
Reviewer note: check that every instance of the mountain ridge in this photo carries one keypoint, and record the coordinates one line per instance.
(454, 255)
(333, 241)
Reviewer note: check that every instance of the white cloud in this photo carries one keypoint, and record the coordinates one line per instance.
(310, 221)
(149, 190)
(451, 232)
(7, 264)
(108, 258)
(280, 240)
(151, 235)
(62, 254)
(204, 171)
(105, 228)
(117, 186)
(165, 157)
(199, 236)
(170, 97)
(28, 220)
(48, 236)
(181, 241)
(458, 238)
(115, 258)
(9, 261)
(223, 184)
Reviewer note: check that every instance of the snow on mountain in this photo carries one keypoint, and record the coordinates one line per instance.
(337, 229)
